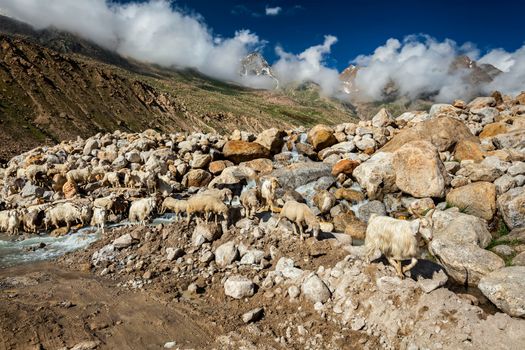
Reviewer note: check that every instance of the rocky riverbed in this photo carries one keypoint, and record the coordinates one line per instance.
(250, 282)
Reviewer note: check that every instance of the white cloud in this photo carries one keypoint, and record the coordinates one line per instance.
(309, 66)
(421, 65)
(273, 11)
(150, 31)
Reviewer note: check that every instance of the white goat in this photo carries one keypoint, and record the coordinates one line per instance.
(141, 209)
(250, 202)
(68, 213)
(99, 218)
(396, 239)
(300, 215)
(268, 187)
(176, 206)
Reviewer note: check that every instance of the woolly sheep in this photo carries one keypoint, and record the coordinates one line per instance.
(300, 215)
(9, 221)
(396, 239)
(206, 204)
(177, 206)
(79, 176)
(224, 194)
(250, 202)
(112, 178)
(141, 209)
(67, 213)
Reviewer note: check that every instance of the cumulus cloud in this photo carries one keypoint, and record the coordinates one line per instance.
(309, 66)
(422, 65)
(151, 31)
(273, 11)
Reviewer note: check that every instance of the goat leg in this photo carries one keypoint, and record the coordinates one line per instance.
(407, 268)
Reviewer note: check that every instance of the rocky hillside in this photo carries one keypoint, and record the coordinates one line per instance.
(451, 180)
(56, 86)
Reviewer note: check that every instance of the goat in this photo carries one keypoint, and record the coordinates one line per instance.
(268, 187)
(250, 202)
(396, 239)
(141, 209)
(99, 218)
(300, 215)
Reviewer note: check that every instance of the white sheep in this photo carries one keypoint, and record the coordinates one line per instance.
(224, 194)
(9, 221)
(396, 239)
(67, 213)
(79, 176)
(141, 209)
(176, 206)
(250, 202)
(205, 205)
(300, 215)
(112, 178)
(99, 218)
(268, 187)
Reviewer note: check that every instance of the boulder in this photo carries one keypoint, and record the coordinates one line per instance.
(468, 149)
(505, 288)
(513, 139)
(197, 178)
(271, 139)
(443, 109)
(477, 198)
(419, 170)
(373, 207)
(382, 119)
(314, 289)
(321, 136)
(376, 175)
(299, 174)
(200, 161)
(487, 170)
(216, 167)
(511, 205)
(337, 149)
(262, 166)
(344, 166)
(91, 145)
(466, 262)
(286, 267)
(123, 241)
(481, 102)
(451, 225)
(341, 221)
(239, 287)
(242, 151)
(226, 254)
(443, 133)
(356, 229)
(233, 175)
(324, 201)
(493, 129)
(350, 195)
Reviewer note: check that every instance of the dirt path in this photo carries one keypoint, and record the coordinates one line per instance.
(43, 306)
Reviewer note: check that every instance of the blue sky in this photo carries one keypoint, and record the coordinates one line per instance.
(362, 25)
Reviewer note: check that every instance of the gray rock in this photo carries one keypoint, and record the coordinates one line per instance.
(465, 262)
(512, 207)
(30, 190)
(209, 232)
(252, 256)
(504, 183)
(123, 241)
(226, 254)
(503, 250)
(519, 260)
(91, 144)
(133, 156)
(285, 266)
(200, 161)
(517, 168)
(253, 315)
(458, 227)
(239, 287)
(119, 163)
(105, 254)
(315, 289)
(372, 207)
(438, 279)
(173, 253)
(300, 174)
(377, 174)
(505, 288)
